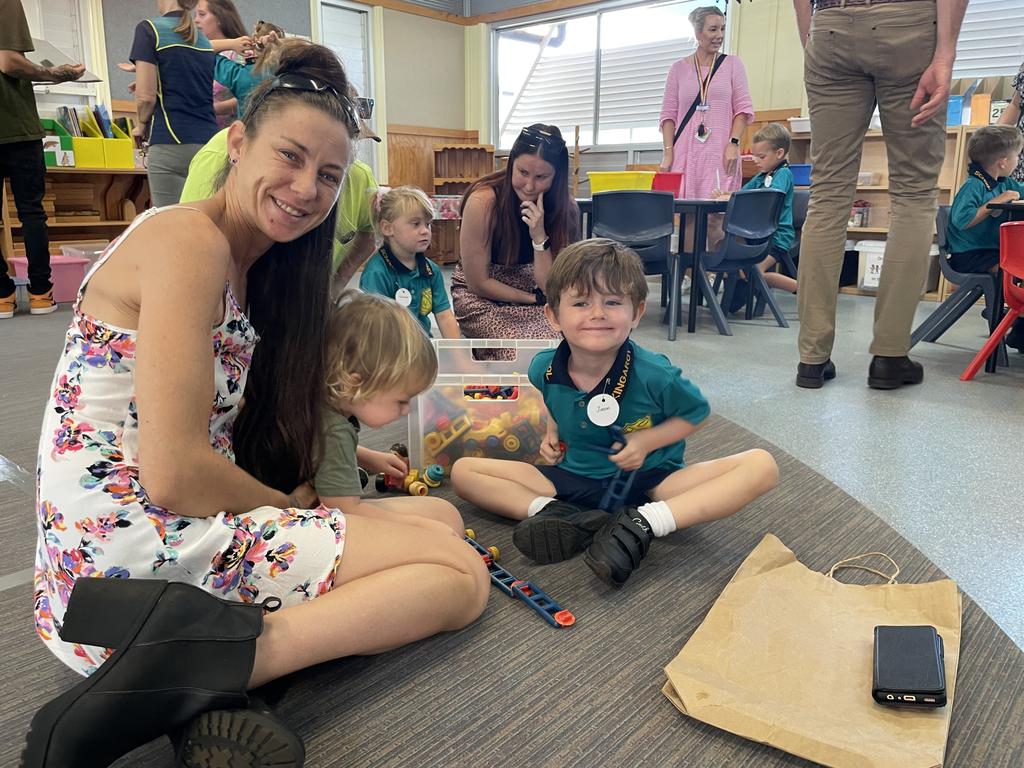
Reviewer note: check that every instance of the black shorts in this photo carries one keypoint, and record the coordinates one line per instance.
(979, 261)
(588, 491)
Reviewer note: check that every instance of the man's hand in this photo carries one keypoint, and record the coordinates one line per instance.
(67, 72)
(932, 91)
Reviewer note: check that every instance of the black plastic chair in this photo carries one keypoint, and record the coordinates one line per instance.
(801, 199)
(643, 220)
(751, 219)
(970, 287)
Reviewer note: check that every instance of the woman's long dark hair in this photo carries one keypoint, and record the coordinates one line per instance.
(560, 215)
(228, 19)
(277, 434)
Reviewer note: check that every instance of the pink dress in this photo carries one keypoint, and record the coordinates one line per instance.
(728, 96)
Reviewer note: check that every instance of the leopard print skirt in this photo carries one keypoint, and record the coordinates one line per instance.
(481, 318)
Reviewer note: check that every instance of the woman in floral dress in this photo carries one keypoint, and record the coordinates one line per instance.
(149, 470)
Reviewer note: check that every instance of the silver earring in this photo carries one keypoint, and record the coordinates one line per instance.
(234, 160)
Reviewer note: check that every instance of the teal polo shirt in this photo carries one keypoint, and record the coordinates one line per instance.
(782, 179)
(978, 190)
(654, 390)
(384, 274)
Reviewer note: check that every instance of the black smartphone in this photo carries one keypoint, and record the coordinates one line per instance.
(909, 668)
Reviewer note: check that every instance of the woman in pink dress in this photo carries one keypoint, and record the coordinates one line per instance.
(707, 150)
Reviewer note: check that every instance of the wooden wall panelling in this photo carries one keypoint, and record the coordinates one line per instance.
(411, 153)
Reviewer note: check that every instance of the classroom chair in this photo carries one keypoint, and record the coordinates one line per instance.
(750, 221)
(1011, 261)
(642, 220)
(801, 199)
(970, 286)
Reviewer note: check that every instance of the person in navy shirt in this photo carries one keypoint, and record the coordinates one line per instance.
(598, 387)
(174, 65)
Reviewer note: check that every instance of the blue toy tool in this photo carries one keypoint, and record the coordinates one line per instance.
(620, 484)
(526, 591)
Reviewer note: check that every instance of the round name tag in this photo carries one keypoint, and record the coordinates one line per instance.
(403, 296)
(603, 410)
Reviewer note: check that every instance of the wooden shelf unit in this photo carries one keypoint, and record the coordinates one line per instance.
(875, 160)
(116, 194)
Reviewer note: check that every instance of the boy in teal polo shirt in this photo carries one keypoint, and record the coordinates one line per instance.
(398, 269)
(973, 234)
(598, 379)
(771, 145)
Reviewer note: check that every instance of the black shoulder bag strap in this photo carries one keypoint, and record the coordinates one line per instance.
(696, 100)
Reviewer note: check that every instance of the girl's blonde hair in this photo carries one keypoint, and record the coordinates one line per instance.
(391, 204)
(186, 27)
(375, 345)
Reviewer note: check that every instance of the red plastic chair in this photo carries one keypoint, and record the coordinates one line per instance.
(1011, 260)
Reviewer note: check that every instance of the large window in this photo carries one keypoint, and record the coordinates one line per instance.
(991, 41)
(603, 72)
(345, 29)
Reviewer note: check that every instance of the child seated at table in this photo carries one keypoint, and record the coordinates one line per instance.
(973, 235)
(771, 145)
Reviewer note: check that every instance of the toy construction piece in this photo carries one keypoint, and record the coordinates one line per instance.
(621, 483)
(528, 592)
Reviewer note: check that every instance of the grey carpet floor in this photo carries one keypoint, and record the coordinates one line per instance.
(512, 691)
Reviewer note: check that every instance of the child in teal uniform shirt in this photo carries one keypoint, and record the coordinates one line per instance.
(973, 235)
(402, 217)
(598, 378)
(771, 145)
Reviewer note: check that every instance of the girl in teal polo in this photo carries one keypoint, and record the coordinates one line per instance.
(399, 269)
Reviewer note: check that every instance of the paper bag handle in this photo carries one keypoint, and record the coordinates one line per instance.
(848, 563)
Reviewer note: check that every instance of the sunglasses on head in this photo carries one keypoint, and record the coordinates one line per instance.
(533, 138)
(364, 107)
(292, 81)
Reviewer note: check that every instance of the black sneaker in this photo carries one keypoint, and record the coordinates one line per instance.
(619, 546)
(559, 531)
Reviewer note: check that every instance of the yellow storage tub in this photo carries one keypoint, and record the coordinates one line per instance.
(611, 181)
(119, 152)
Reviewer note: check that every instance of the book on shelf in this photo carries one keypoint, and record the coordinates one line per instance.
(102, 117)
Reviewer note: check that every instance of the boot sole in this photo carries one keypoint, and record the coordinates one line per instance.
(240, 738)
(45, 311)
(892, 383)
(547, 540)
(810, 382)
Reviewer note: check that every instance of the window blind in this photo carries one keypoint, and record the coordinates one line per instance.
(991, 39)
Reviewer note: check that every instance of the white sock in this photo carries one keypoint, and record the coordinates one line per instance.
(659, 516)
(537, 505)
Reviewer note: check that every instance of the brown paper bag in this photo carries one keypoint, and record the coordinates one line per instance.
(784, 658)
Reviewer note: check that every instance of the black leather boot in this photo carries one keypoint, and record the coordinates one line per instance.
(180, 652)
(814, 375)
(894, 372)
(559, 531)
(619, 546)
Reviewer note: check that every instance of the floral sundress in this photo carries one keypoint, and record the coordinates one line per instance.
(95, 519)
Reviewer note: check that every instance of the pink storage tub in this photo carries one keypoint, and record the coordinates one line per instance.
(67, 275)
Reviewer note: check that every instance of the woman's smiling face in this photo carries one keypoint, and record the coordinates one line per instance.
(291, 171)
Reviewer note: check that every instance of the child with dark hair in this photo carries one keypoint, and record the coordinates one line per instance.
(973, 236)
(597, 386)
